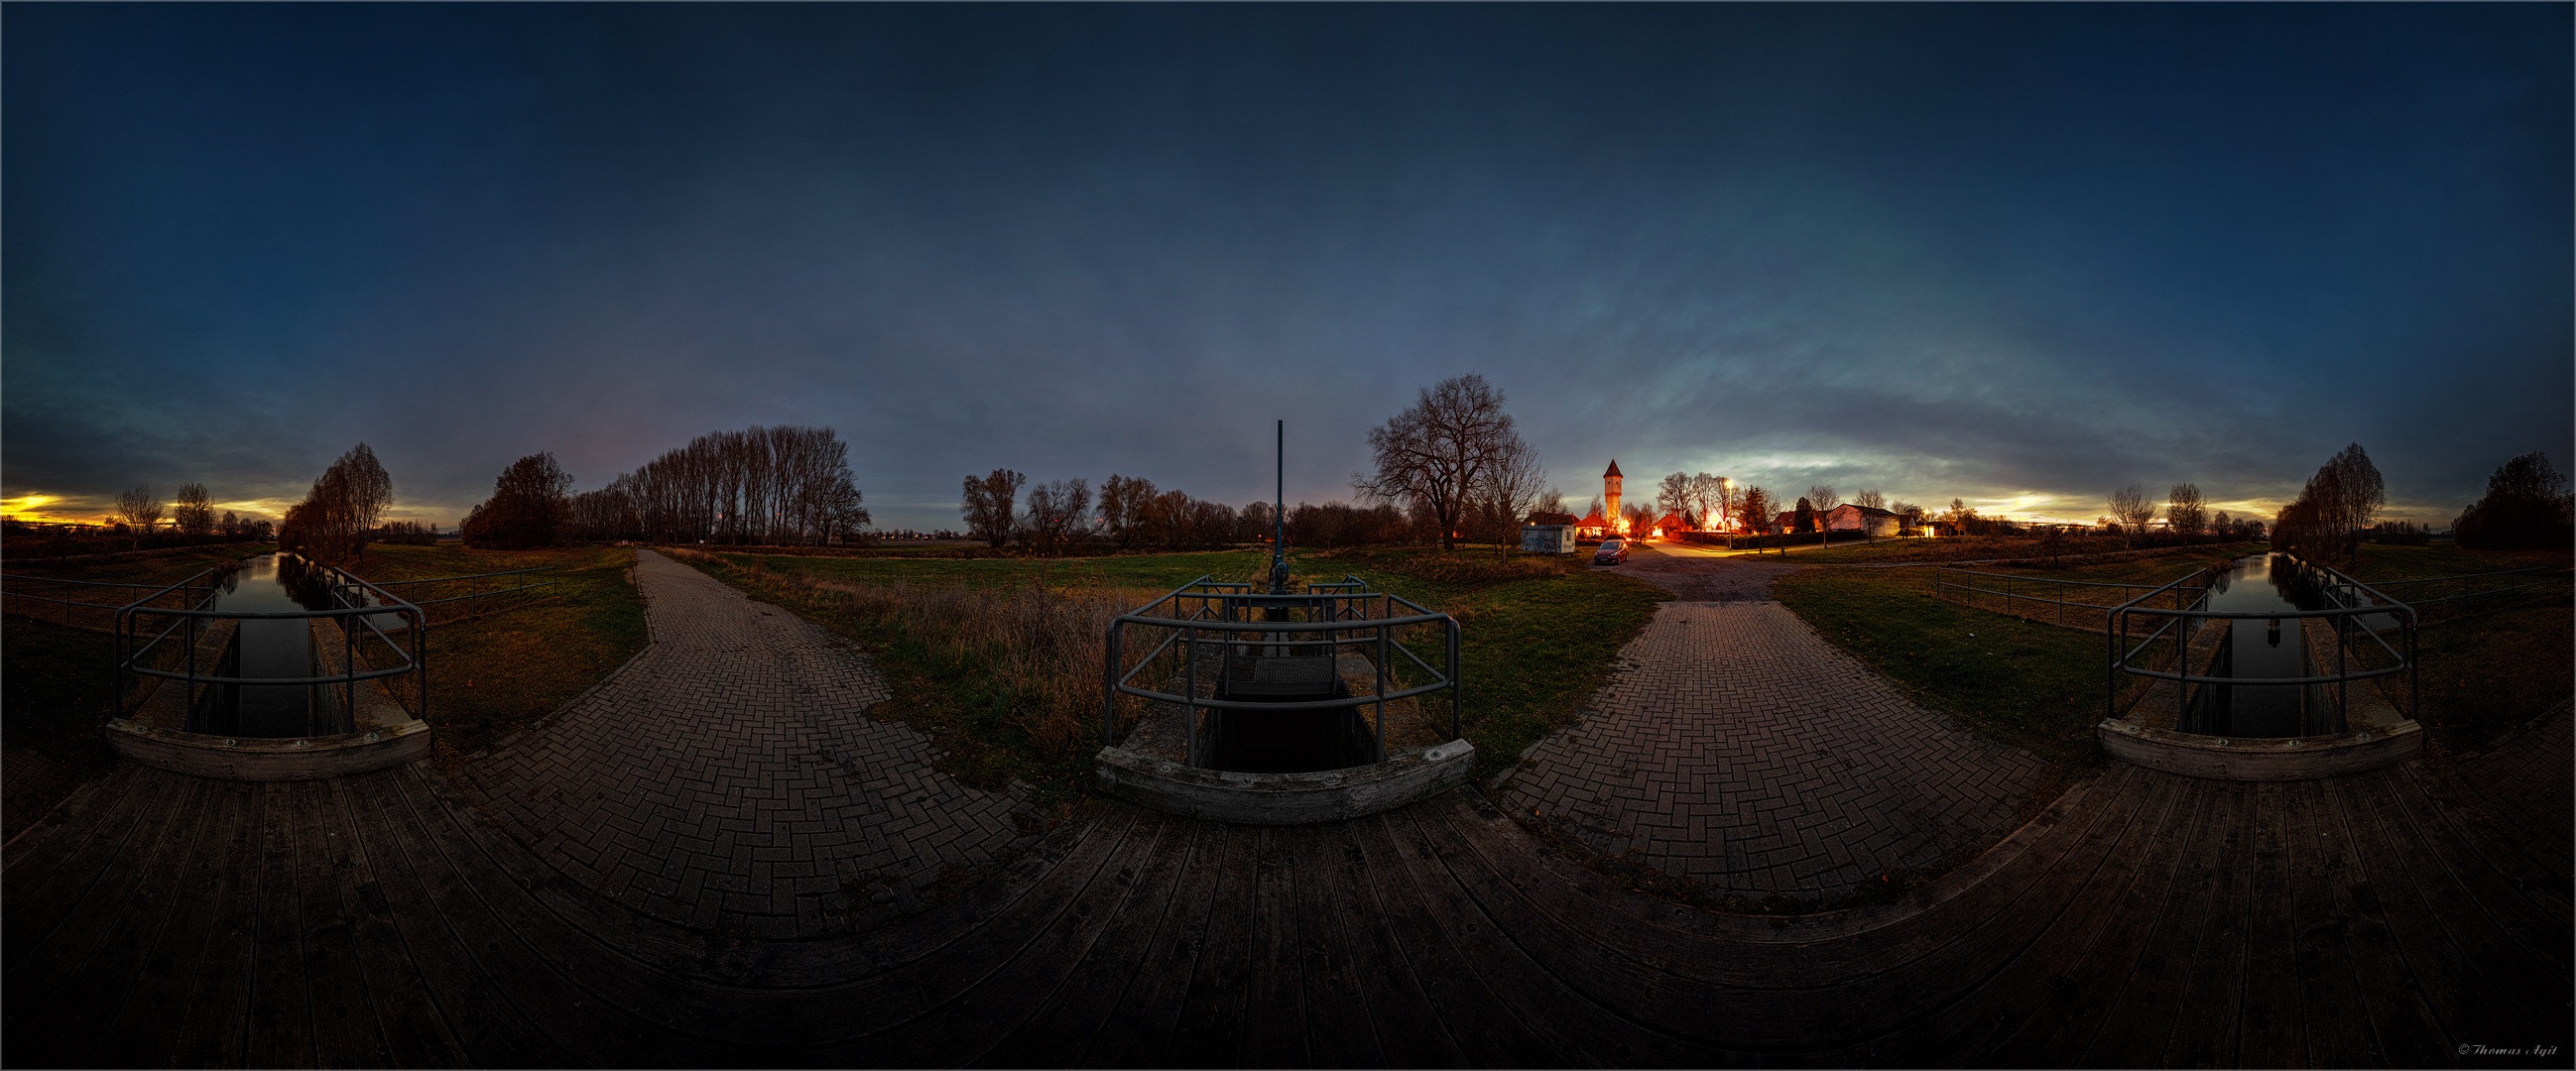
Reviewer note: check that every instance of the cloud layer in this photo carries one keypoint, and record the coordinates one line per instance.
(2024, 254)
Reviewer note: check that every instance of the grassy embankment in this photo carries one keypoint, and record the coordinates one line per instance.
(2009, 679)
(495, 675)
(2039, 687)
(58, 683)
(2491, 662)
(999, 659)
(1958, 549)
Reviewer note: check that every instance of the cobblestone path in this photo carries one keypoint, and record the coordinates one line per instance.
(731, 771)
(1735, 747)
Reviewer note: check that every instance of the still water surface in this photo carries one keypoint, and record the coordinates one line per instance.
(272, 583)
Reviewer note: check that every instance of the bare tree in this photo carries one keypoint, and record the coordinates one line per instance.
(331, 524)
(2526, 506)
(140, 508)
(1122, 505)
(531, 504)
(2183, 510)
(2326, 520)
(1673, 494)
(1641, 519)
(1823, 498)
(191, 514)
(1505, 494)
(1909, 516)
(2131, 509)
(990, 504)
(1706, 497)
(230, 526)
(1871, 499)
(1551, 502)
(2359, 494)
(1056, 511)
(1438, 451)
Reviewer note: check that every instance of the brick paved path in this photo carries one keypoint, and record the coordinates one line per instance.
(1736, 747)
(730, 768)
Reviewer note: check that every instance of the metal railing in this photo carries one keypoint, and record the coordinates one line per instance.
(105, 619)
(1338, 614)
(350, 609)
(2419, 604)
(522, 588)
(2346, 619)
(1969, 591)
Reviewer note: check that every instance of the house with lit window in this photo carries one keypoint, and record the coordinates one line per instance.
(1867, 519)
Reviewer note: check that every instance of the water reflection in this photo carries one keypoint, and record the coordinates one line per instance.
(275, 648)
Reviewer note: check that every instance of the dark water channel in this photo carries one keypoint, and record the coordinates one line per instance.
(2264, 647)
(279, 647)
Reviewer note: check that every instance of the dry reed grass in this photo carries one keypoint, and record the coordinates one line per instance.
(1039, 648)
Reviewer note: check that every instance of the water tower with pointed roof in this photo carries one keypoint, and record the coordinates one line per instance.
(1610, 495)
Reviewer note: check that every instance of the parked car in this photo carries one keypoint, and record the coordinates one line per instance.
(1612, 552)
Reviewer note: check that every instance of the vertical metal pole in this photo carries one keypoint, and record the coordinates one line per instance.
(420, 659)
(1457, 687)
(1109, 688)
(1381, 693)
(1190, 685)
(2414, 672)
(2111, 669)
(2343, 684)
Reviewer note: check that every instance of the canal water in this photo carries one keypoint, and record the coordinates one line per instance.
(2264, 582)
(279, 648)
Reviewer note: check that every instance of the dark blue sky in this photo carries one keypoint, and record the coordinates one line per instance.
(2020, 255)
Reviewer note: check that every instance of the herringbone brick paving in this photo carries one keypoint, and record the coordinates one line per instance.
(1735, 747)
(731, 771)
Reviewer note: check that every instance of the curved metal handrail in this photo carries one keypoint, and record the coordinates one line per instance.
(1339, 607)
(2116, 623)
(344, 588)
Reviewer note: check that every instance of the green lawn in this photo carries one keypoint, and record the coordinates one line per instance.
(2491, 662)
(1159, 571)
(492, 676)
(2033, 686)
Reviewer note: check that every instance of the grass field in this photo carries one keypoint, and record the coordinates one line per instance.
(2041, 687)
(1537, 639)
(58, 684)
(1958, 548)
(492, 676)
(2033, 686)
(2489, 662)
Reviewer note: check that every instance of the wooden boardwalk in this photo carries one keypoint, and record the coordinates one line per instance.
(2144, 919)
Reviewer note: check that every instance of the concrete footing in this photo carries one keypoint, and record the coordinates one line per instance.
(283, 759)
(2256, 759)
(1285, 799)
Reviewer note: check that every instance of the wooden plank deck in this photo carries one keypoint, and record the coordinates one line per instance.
(2146, 919)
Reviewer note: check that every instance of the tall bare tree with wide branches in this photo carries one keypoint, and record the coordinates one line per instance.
(990, 504)
(1441, 452)
(140, 508)
(331, 524)
(191, 513)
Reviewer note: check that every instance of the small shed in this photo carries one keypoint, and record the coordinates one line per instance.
(1547, 539)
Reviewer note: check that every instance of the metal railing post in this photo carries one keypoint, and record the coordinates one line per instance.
(1190, 692)
(1381, 692)
(1457, 686)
